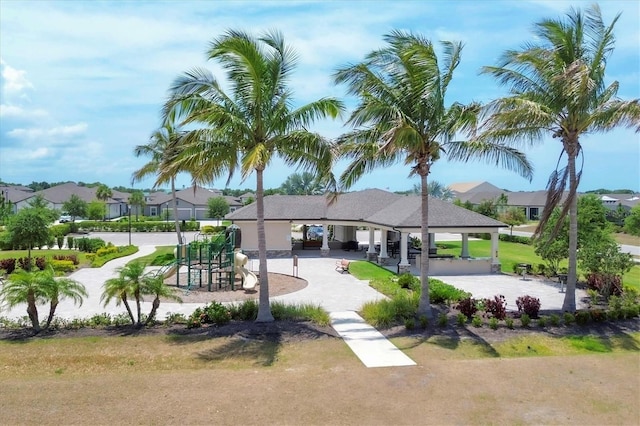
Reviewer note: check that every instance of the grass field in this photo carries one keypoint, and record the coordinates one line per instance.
(199, 380)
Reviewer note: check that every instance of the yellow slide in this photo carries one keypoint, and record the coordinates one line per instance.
(171, 272)
(249, 279)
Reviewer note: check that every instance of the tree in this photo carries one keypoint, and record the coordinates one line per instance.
(76, 207)
(487, 208)
(155, 286)
(132, 274)
(29, 227)
(57, 289)
(402, 116)
(39, 203)
(137, 199)
(513, 216)
(103, 193)
(217, 207)
(557, 85)
(23, 287)
(163, 147)
(6, 207)
(95, 210)
(435, 189)
(632, 222)
(117, 288)
(250, 123)
(304, 183)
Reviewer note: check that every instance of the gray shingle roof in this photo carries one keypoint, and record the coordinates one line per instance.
(373, 206)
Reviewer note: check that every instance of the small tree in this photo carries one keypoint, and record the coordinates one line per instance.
(155, 286)
(488, 208)
(137, 199)
(57, 289)
(513, 216)
(95, 210)
(76, 207)
(217, 207)
(29, 227)
(632, 222)
(103, 193)
(23, 287)
(39, 203)
(605, 264)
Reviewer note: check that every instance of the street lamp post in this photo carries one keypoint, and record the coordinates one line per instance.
(129, 208)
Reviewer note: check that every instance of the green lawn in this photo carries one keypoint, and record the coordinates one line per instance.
(513, 253)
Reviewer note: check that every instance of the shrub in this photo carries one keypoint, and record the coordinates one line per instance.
(461, 319)
(70, 257)
(406, 280)
(496, 307)
(105, 251)
(216, 313)
(509, 322)
(493, 323)
(409, 323)
(90, 245)
(25, 263)
(424, 321)
(175, 318)
(525, 320)
(476, 321)
(99, 320)
(443, 320)
(598, 315)
(41, 263)
(440, 292)
(60, 241)
(582, 317)
(8, 265)
(542, 321)
(62, 265)
(605, 284)
(529, 305)
(70, 242)
(246, 311)
(468, 307)
(568, 318)
(554, 320)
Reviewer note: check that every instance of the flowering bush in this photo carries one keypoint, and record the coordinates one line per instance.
(497, 307)
(528, 305)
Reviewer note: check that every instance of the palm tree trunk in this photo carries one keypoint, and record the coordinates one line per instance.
(154, 308)
(264, 309)
(424, 307)
(52, 310)
(175, 210)
(138, 307)
(126, 305)
(32, 310)
(569, 304)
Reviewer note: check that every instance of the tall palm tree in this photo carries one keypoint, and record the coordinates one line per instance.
(154, 285)
(57, 289)
(137, 199)
(161, 148)
(21, 287)
(402, 116)
(305, 183)
(557, 86)
(119, 289)
(103, 193)
(249, 124)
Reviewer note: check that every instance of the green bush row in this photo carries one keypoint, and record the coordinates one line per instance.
(148, 226)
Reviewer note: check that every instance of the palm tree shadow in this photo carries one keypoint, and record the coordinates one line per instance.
(260, 352)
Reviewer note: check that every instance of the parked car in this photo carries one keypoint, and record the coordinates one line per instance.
(314, 232)
(64, 218)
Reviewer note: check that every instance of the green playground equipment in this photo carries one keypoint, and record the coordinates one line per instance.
(209, 261)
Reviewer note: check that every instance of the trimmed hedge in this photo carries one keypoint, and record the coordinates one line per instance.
(147, 226)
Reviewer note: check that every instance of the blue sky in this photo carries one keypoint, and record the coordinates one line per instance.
(83, 81)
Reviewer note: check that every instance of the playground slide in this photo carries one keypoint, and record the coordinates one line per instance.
(249, 279)
(171, 272)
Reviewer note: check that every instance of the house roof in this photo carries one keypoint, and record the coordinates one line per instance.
(198, 197)
(470, 187)
(373, 206)
(60, 193)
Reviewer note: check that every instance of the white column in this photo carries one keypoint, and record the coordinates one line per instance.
(464, 254)
(325, 236)
(372, 240)
(404, 242)
(383, 243)
(432, 241)
(495, 262)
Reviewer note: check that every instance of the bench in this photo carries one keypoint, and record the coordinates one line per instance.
(342, 265)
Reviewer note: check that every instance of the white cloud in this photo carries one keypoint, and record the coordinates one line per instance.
(13, 111)
(55, 132)
(14, 80)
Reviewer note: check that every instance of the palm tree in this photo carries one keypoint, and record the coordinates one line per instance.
(133, 273)
(137, 199)
(557, 86)
(305, 183)
(103, 193)
(119, 289)
(161, 148)
(402, 116)
(21, 287)
(155, 286)
(56, 289)
(250, 123)
(436, 189)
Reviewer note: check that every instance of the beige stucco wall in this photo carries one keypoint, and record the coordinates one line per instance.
(459, 266)
(278, 236)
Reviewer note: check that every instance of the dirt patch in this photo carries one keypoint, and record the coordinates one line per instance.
(279, 284)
